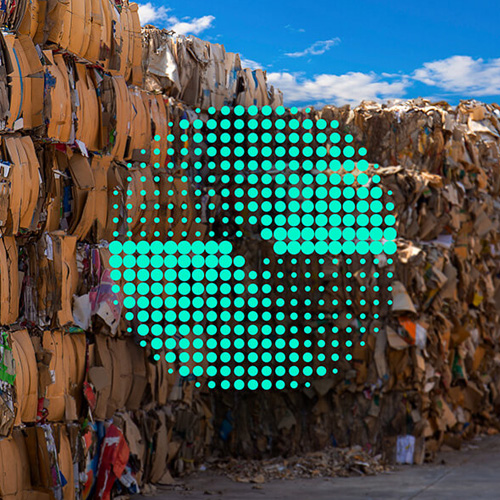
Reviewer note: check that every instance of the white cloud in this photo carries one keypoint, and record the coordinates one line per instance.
(292, 29)
(462, 74)
(316, 49)
(148, 13)
(194, 26)
(249, 63)
(349, 88)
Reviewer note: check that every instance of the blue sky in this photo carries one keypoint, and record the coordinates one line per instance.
(327, 52)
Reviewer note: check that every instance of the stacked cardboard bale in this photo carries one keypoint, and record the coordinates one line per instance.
(82, 404)
(202, 74)
(428, 373)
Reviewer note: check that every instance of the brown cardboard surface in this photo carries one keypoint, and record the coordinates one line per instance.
(87, 112)
(65, 272)
(26, 377)
(103, 359)
(9, 280)
(139, 379)
(100, 166)
(84, 196)
(58, 101)
(26, 84)
(32, 181)
(65, 459)
(140, 127)
(96, 27)
(122, 375)
(11, 477)
(55, 397)
(74, 350)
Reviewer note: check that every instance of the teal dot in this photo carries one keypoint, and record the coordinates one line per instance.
(156, 344)
(376, 247)
(116, 261)
(129, 247)
(390, 247)
(115, 247)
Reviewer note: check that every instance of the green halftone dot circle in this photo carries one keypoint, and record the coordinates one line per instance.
(115, 247)
(335, 138)
(390, 247)
(362, 165)
(389, 233)
(390, 220)
(239, 110)
(116, 261)
(307, 124)
(266, 385)
(156, 344)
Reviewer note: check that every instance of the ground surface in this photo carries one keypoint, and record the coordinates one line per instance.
(472, 473)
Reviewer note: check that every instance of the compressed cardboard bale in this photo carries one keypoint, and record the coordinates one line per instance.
(25, 454)
(95, 11)
(122, 375)
(136, 198)
(57, 106)
(183, 211)
(7, 377)
(26, 377)
(247, 89)
(159, 473)
(117, 195)
(135, 49)
(100, 167)
(100, 376)
(12, 467)
(64, 252)
(24, 176)
(87, 108)
(140, 378)
(161, 381)
(146, 217)
(65, 459)
(70, 25)
(6, 69)
(113, 62)
(126, 43)
(41, 445)
(140, 128)
(84, 194)
(29, 19)
(75, 357)
(55, 396)
(160, 132)
(63, 358)
(160, 65)
(135, 440)
(53, 190)
(26, 83)
(9, 280)
(115, 115)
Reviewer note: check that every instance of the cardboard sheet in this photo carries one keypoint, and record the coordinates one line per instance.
(26, 377)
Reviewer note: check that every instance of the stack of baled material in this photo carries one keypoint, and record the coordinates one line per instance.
(90, 108)
(85, 411)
